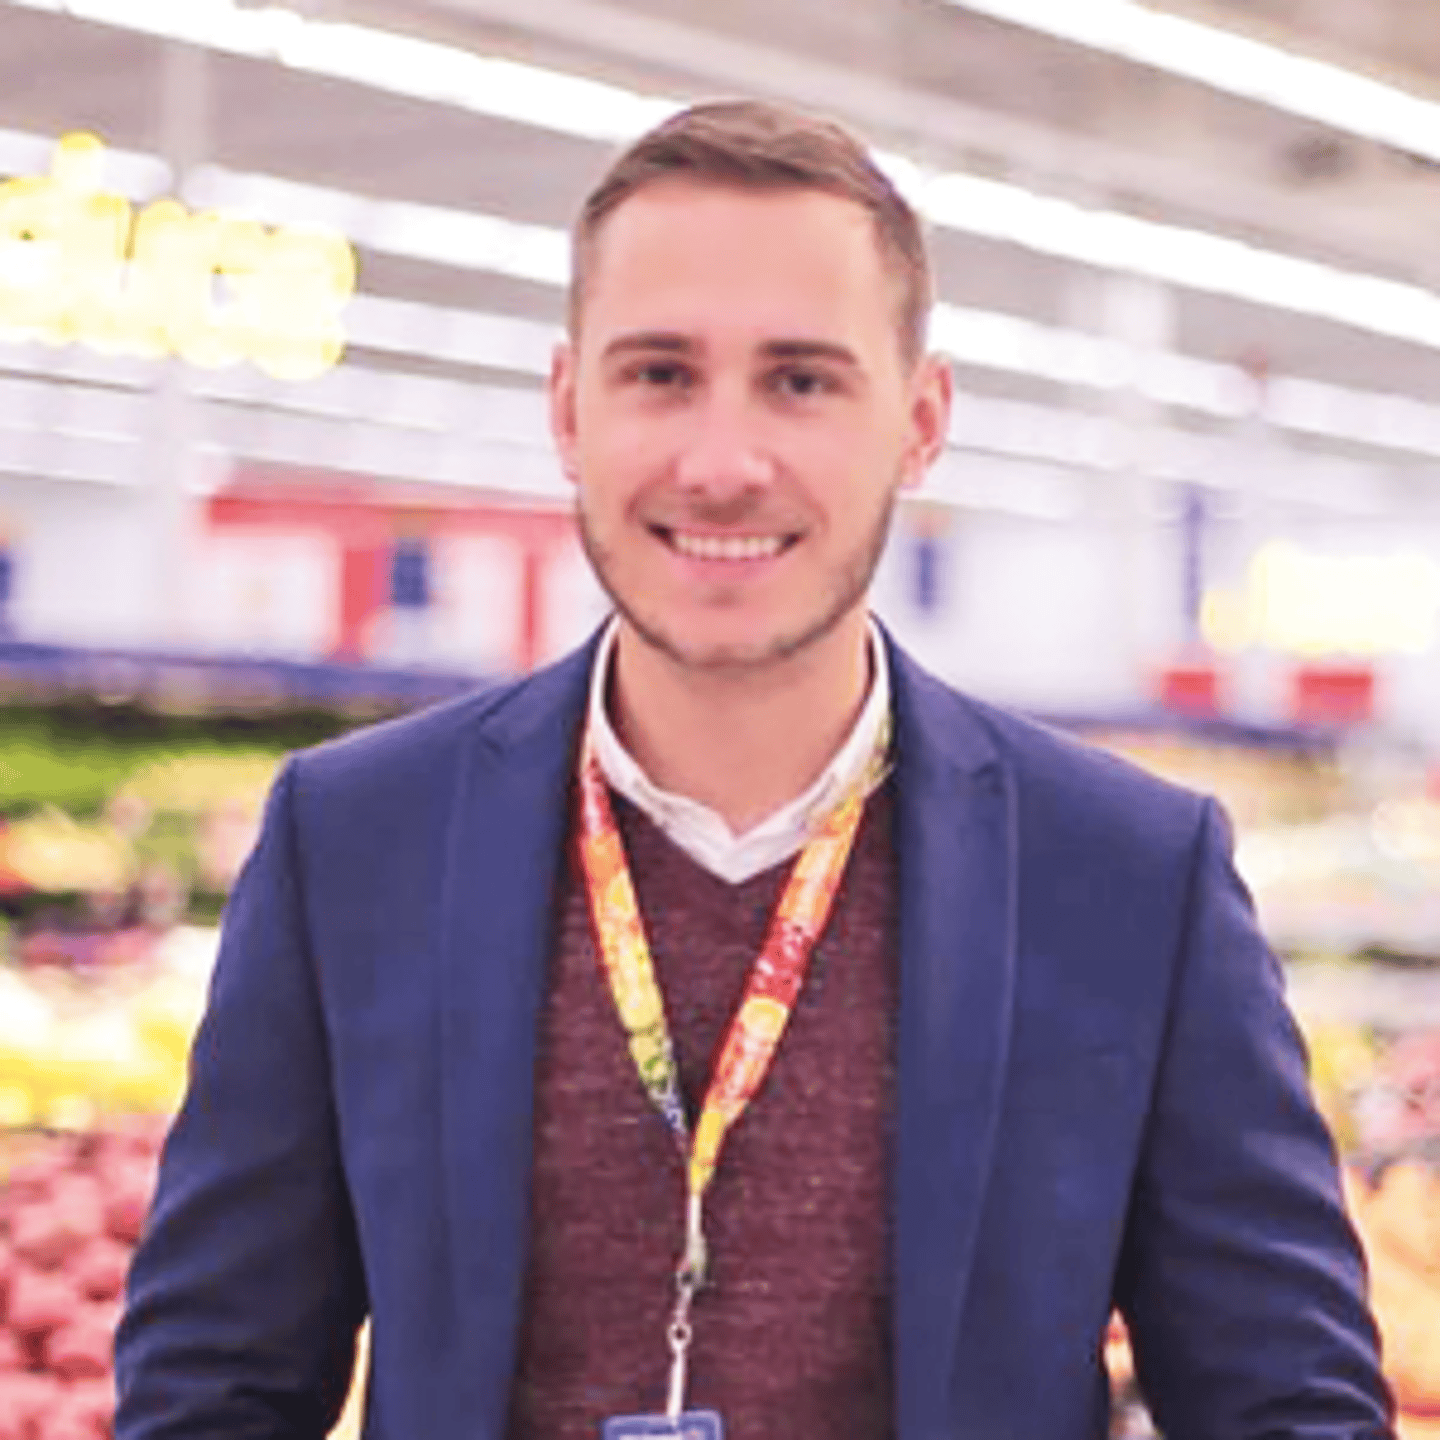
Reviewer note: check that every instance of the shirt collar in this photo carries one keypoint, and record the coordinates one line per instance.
(701, 832)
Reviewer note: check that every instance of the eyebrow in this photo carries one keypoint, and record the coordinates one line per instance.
(668, 342)
(812, 350)
(648, 342)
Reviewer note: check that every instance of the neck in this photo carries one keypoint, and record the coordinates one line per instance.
(742, 741)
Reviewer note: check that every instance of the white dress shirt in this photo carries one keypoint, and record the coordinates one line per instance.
(698, 830)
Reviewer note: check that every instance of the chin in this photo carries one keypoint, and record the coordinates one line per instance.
(718, 653)
(698, 643)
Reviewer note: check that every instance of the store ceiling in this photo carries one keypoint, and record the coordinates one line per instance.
(921, 77)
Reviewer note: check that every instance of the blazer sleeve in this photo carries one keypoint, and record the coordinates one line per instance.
(246, 1291)
(1241, 1277)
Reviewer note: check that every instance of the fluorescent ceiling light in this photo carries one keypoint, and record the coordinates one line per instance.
(461, 337)
(1194, 259)
(130, 173)
(1235, 64)
(571, 105)
(990, 340)
(464, 239)
(384, 60)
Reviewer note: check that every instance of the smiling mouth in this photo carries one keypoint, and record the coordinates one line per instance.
(725, 547)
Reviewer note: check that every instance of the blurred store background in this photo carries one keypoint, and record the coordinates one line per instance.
(278, 288)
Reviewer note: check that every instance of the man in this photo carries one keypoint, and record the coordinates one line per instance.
(1012, 1054)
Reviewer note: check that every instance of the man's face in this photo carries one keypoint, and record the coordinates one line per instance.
(738, 416)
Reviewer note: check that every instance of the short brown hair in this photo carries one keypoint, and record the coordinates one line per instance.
(755, 145)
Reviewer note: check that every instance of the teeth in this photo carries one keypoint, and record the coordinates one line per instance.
(728, 547)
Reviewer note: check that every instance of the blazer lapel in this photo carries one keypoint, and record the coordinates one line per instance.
(506, 841)
(957, 940)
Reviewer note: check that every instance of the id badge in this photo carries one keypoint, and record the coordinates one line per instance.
(692, 1425)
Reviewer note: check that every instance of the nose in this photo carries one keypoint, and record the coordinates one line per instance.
(724, 455)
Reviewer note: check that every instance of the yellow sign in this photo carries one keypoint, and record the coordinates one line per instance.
(1305, 603)
(78, 266)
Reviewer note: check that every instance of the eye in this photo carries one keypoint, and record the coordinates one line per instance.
(659, 374)
(802, 383)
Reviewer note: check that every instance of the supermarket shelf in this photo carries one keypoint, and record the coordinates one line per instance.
(1209, 729)
(1365, 994)
(184, 682)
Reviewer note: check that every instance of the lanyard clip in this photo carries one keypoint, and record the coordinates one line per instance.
(689, 1280)
(694, 1265)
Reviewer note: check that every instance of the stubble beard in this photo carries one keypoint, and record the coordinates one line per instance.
(851, 585)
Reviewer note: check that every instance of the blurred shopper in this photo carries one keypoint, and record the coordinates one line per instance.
(7, 584)
(1012, 1047)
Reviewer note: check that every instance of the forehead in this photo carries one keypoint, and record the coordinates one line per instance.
(677, 251)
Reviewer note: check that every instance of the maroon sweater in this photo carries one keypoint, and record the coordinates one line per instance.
(792, 1337)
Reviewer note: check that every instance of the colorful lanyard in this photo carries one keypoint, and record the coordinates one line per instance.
(753, 1036)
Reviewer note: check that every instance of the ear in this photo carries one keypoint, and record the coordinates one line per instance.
(931, 390)
(562, 409)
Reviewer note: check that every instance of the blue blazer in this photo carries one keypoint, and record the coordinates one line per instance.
(1102, 1100)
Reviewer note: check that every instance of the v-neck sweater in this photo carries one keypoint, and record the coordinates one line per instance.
(792, 1336)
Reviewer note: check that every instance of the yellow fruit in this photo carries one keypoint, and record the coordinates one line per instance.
(53, 853)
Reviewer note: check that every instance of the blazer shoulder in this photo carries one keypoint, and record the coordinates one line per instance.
(1077, 789)
(400, 759)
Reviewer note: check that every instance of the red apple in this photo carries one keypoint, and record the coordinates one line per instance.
(82, 1350)
(100, 1268)
(80, 1197)
(25, 1400)
(127, 1201)
(32, 1177)
(40, 1302)
(94, 1402)
(39, 1236)
(63, 1421)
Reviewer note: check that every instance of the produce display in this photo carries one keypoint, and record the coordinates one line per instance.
(78, 1048)
(167, 844)
(1393, 1186)
(116, 852)
(71, 1208)
(120, 835)
(1343, 860)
